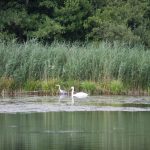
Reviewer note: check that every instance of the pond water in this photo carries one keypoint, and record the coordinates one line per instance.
(54, 123)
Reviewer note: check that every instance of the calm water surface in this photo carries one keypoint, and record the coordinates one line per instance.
(115, 124)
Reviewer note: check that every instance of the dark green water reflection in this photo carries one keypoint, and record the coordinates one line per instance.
(75, 131)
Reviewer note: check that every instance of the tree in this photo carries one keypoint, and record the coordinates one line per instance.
(72, 16)
(76, 20)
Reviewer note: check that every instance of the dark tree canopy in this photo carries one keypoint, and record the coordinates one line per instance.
(76, 20)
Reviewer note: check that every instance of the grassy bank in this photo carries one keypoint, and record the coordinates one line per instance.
(97, 68)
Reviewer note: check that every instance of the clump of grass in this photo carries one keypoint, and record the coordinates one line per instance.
(32, 85)
(50, 86)
(88, 86)
(45, 85)
(105, 85)
(148, 90)
(116, 87)
(69, 83)
(42, 85)
(6, 83)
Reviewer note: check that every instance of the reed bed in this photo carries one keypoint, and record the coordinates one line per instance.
(101, 63)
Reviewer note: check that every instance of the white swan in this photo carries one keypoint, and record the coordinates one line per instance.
(78, 95)
(62, 91)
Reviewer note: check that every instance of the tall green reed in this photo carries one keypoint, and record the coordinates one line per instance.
(65, 61)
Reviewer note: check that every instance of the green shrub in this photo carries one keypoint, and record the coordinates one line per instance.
(50, 86)
(88, 86)
(68, 84)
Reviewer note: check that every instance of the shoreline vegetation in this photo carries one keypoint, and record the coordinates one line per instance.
(43, 88)
(99, 68)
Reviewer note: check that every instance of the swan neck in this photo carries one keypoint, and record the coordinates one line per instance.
(72, 92)
(59, 87)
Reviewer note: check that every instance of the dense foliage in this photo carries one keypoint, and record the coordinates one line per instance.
(126, 21)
